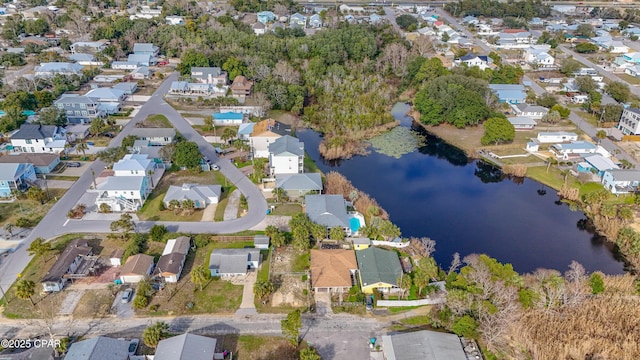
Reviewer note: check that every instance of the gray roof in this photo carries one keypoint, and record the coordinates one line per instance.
(187, 347)
(145, 71)
(77, 247)
(378, 265)
(287, 145)
(633, 110)
(35, 131)
(625, 175)
(507, 87)
(532, 108)
(261, 240)
(423, 345)
(522, 120)
(140, 162)
(144, 47)
(99, 348)
(104, 93)
(122, 183)
(154, 132)
(126, 86)
(139, 58)
(74, 99)
(600, 162)
(300, 182)
(36, 159)
(232, 261)
(137, 264)
(169, 264)
(193, 192)
(9, 171)
(327, 210)
(203, 72)
(575, 145)
(81, 57)
(59, 67)
(361, 241)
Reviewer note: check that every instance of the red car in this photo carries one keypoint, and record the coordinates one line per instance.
(163, 63)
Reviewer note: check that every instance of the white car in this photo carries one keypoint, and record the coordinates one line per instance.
(126, 295)
(215, 167)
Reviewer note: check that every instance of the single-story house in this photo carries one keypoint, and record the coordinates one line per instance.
(522, 123)
(597, 163)
(233, 262)
(136, 268)
(155, 136)
(99, 348)
(424, 344)
(171, 262)
(124, 65)
(557, 136)
(201, 195)
(509, 93)
(73, 260)
(361, 243)
(261, 242)
(621, 181)
(227, 118)
(42, 163)
(573, 149)
(141, 73)
(333, 270)
(299, 185)
(186, 347)
(378, 269)
(77, 131)
(129, 87)
(328, 210)
(57, 68)
(531, 111)
(115, 258)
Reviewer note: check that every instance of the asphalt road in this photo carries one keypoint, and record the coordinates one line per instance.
(55, 223)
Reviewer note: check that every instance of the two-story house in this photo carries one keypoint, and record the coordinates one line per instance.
(621, 181)
(266, 16)
(209, 75)
(265, 133)
(538, 55)
(241, 87)
(286, 156)
(298, 20)
(146, 48)
(36, 138)
(15, 176)
(79, 109)
(123, 193)
(471, 60)
(135, 165)
(629, 122)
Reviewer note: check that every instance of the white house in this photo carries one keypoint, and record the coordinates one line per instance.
(522, 123)
(134, 165)
(201, 195)
(556, 137)
(264, 133)
(51, 69)
(259, 28)
(136, 269)
(531, 111)
(174, 20)
(106, 95)
(90, 47)
(125, 65)
(233, 262)
(629, 122)
(471, 60)
(538, 55)
(227, 118)
(286, 156)
(155, 136)
(621, 181)
(37, 138)
(123, 193)
(574, 149)
(209, 75)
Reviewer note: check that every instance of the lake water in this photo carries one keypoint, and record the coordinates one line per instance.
(467, 206)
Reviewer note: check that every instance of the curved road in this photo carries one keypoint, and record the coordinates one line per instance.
(55, 223)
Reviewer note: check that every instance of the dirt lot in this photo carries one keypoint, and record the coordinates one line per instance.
(288, 279)
(631, 148)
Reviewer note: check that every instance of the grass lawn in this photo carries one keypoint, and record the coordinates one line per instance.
(401, 309)
(156, 121)
(263, 272)
(151, 210)
(287, 209)
(420, 320)
(94, 303)
(222, 204)
(32, 210)
(250, 347)
(630, 79)
(62, 177)
(590, 118)
(301, 262)
(310, 165)
(553, 178)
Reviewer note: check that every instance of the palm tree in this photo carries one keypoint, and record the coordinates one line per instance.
(565, 173)
(8, 227)
(82, 147)
(278, 193)
(228, 134)
(188, 205)
(200, 275)
(25, 289)
(174, 205)
(601, 135)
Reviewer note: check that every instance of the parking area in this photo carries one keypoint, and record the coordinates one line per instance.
(75, 171)
(120, 309)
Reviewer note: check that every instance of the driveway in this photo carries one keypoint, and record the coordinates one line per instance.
(70, 302)
(209, 212)
(248, 307)
(323, 303)
(231, 211)
(120, 309)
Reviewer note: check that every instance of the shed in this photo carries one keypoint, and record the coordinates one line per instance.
(116, 257)
(261, 242)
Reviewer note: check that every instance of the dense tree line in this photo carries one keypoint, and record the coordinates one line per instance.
(499, 9)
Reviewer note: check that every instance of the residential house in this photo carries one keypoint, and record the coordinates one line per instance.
(51, 69)
(227, 119)
(135, 165)
(328, 210)
(15, 177)
(245, 130)
(606, 43)
(233, 262)
(186, 347)
(333, 270)
(264, 133)
(76, 132)
(88, 47)
(107, 95)
(146, 12)
(75, 259)
(585, 71)
(36, 138)
(146, 49)
(85, 59)
(471, 60)
(115, 258)
(486, 30)
(123, 193)
(298, 20)
(259, 28)
(572, 150)
(299, 185)
(534, 112)
(538, 55)
(286, 156)
(378, 269)
(80, 109)
(621, 181)
(316, 22)
(266, 16)
(209, 75)
(425, 344)
(171, 262)
(201, 195)
(598, 164)
(556, 137)
(155, 136)
(471, 20)
(197, 89)
(361, 243)
(514, 39)
(241, 86)
(137, 268)
(508, 93)
(629, 122)
(42, 163)
(633, 70)
(174, 20)
(142, 59)
(261, 242)
(141, 73)
(128, 87)
(125, 65)
(99, 348)
(522, 123)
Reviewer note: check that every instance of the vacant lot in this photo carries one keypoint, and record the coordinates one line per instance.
(10, 212)
(250, 347)
(289, 275)
(94, 303)
(156, 121)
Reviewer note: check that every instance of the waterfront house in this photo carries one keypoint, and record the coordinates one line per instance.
(286, 156)
(299, 185)
(378, 269)
(201, 195)
(137, 268)
(333, 270)
(227, 119)
(15, 176)
(629, 122)
(597, 163)
(328, 210)
(42, 163)
(264, 133)
(233, 262)
(36, 138)
(74, 260)
(187, 347)
(621, 181)
(171, 262)
(573, 150)
(534, 112)
(361, 243)
(424, 344)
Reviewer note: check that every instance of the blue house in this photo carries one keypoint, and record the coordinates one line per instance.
(597, 163)
(15, 176)
(509, 93)
(227, 118)
(43, 163)
(621, 181)
(266, 16)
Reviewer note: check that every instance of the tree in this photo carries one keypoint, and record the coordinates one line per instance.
(551, 117)
(586, 48)
(263, 288)
(404, 283)
(157, 232)
(406, 21)
(124, 225)
(570, 66)
(228, 134)
(191, 58)
(562, 111)
(278, 193)
(36, 194)
(618, 90)
(25, 289)
(309, 354)
(52, 116)
(188, 206)
(154, 333)
(586, 84)
(187, 155)
(234, 67)
(337, 233)
(291, 327)
(319, 232)
(597, 283)
(174, 205)
(278, 239)
(466, 326)
(97, 126)
(39, 247)
(601, 135)
(498, 130)
(202, 240)
(81, 147)
(208, 123)
(547, 100)
(200, 275)
(8, 227)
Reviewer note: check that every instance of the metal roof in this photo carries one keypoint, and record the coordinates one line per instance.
(601, 163)
(423, 345)
(99, 348)
(625, 175)
(193, 192)
(286, 145)
(154, 132)
(327, 210)
(522, 120)
(306, 181)
(186, 347)
(122, 183)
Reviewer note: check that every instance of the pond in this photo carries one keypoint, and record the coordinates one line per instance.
(468, 206)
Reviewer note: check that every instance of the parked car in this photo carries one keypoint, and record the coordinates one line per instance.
(369, 300)
(126, 295)
(73, 164)
(206, 159)
(163, 63)
(108, 134)
(133, 346)
(215, 167)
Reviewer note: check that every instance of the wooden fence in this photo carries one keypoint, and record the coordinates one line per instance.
(223, 238)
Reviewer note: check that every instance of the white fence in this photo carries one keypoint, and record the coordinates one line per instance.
(399, 245)
(404, 303)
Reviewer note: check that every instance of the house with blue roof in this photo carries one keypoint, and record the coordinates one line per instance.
(573, 150)
(245, 130)
(266, 16)
(597, 164)
(509, 93)
(15, 176)
(227, 118)
(141, 59)
(633, 58)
